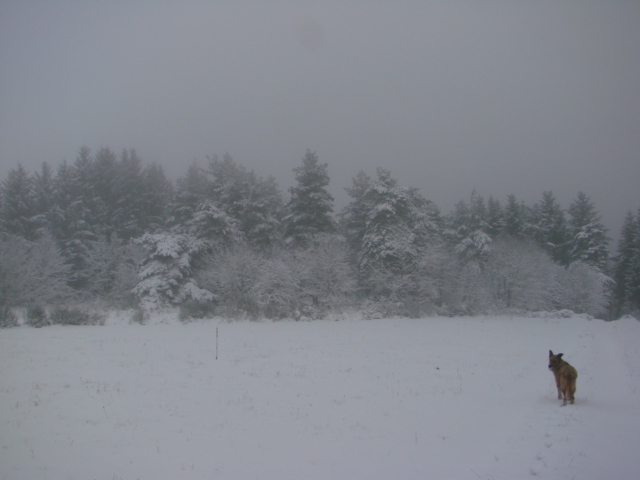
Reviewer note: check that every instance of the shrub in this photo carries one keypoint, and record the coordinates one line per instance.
(231, 275)
(324, 273)
(75, 316)
(37, 316)
(277, 288)
(192, 309)
(584, 289)
(139, 316)
(7, 318)
(521, 275)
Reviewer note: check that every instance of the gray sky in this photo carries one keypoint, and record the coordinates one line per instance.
(505, 97)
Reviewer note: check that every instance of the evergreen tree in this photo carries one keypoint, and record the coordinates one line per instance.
(388, 239)
(626, 270)
(68, 209)
(43, 194)
(212, 226)
(112, 270)
(167, 272)
(18, 209)
(388, 229)
(191, 190)
(83, 201)
(255, 203)
(31, 273)
(260, 219)
(515, 223)
(103, 187)
(588, 237)
(157, 195)
(310, 207)
(467, 231)
(73, 217)
(397, 223)
(550, 229)
(129, 217)
(81, 185)
(495, 217)
(479, 210)
(353, 218)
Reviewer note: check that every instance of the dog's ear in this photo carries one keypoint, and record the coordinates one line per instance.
(559, 355)
(550, 354)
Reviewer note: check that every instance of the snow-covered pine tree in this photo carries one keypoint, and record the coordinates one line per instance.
(32, 273)
(17, 209)
(470, 244)
(128, 212)
(633, 277)
(103, 189)
(388, 239)
(588, 237)
(479, 209)
(260, 220)
(495, 217)
(212, 226)
(467, 230)
(112, 270)
(157, 195)
(43, 195)
(62, 199)
(72, 219)
(388, 229)
(550, 228)
(166, 274)
(81, 188)
(515, 218)
(191, 190)
(626, 269)
(309, 211)
(353, 218)
(255, 203)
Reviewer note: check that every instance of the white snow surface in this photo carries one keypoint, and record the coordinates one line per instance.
(440, 398)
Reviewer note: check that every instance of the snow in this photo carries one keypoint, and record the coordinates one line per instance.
(442, 398)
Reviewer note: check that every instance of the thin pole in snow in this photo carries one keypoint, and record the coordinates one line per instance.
(216, 343)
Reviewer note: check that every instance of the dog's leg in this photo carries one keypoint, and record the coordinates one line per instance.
(571, 395)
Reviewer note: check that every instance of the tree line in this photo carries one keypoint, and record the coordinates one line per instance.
(224, 240)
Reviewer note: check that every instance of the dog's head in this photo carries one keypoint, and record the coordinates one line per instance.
(555, 361)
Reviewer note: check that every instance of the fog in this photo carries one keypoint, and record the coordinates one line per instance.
(503, 97)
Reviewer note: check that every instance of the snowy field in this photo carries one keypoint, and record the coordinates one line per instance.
(440, 398)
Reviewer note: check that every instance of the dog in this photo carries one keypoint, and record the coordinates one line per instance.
(566, 377)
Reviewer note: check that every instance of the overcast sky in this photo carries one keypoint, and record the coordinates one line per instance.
(504, 97)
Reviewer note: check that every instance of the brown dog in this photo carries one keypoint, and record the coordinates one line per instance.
(565, 375)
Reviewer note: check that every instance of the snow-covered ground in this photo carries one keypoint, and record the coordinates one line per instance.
(441, 398)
